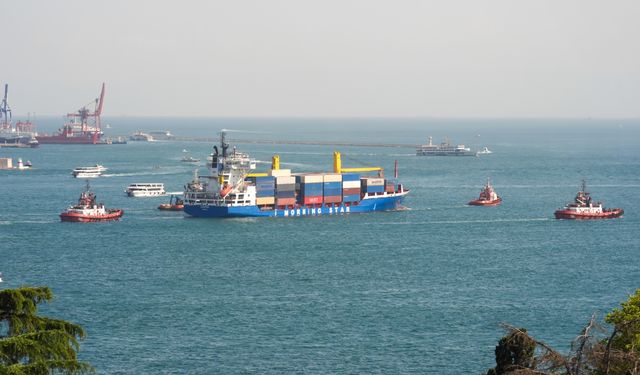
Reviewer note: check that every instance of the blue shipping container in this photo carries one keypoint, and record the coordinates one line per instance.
(265, 193)
(332, 192)
(350, 177)
(332, 185)
(374, 189)
(311, 189)
(261, 187)
(351, 198)
(266, 179)
(286, 194)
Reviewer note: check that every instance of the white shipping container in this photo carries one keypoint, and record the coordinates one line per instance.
(285, 180)
(311, 178)
(6, 163)
(332, 177)
(280, 172)
(374, 181)
(350, 184)
(265, 200)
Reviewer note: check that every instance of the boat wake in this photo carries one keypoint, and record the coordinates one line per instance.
(141, 174)
(470, 221)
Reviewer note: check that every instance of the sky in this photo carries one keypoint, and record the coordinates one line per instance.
(329, 58)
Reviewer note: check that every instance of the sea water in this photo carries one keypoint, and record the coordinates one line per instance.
(422, 290)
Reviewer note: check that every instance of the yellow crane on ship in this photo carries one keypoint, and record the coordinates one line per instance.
(337, 167)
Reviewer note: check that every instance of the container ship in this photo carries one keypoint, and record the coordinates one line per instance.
(19, 135)
(79, 129)
(234, 190)
(444, 149)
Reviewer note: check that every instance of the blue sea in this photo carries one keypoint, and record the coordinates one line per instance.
(419, 291)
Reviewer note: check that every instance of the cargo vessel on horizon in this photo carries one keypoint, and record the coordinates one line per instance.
(233, 190)
(78, 129)
(22, 134)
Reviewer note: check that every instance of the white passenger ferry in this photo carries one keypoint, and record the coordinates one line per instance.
(89, 172)
(145, 189)
(444, 149)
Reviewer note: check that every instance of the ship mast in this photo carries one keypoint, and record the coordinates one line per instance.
(5, 111)
(84, 114)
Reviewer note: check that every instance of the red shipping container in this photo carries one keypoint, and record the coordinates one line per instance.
(333, 199)
(351, 191)
(312, 200)
(285, 201)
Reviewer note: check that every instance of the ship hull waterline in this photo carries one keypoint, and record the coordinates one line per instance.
(80, 218)
(88, 139)
(385, 203)
(486, 203)
(571, 215)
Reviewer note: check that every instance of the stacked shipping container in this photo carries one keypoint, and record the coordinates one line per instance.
(389, 186)
(350, 187)
(310, 186)
(265, 190)
(332, 188)
(372, 184)
(285, 191)
(282, 189)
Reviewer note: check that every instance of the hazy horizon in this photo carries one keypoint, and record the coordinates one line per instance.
(334, 59)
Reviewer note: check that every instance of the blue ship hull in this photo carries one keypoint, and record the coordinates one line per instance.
(383, 203)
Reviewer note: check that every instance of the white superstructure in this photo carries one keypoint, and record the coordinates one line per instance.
(145, 189)
(88, 172)
(226, 184)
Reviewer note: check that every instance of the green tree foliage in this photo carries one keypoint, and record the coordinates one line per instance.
(624, 342)
(513, 352)
(592, 353)
(32, 344)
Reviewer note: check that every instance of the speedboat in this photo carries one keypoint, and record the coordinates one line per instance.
(485, 150)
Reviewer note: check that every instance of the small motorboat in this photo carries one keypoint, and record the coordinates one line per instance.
(175, 204)
(189, 159)
(87, 210)
(488, 197)
(485, 151)
(23, 166)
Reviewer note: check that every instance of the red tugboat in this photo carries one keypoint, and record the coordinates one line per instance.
(175, 204)
(488, 197)
(584, 208)
(87, 210)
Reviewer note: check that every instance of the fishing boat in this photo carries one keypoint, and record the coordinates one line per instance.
(488, 197)
(234, 189)
(175, 204)
(583, 208)
(87, 210)
(89, 172)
